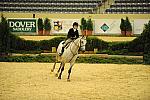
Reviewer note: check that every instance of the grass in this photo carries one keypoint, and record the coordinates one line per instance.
(91, 59)
(113, 60)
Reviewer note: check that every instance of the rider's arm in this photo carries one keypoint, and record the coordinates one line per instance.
(77, 34)
(69, 34)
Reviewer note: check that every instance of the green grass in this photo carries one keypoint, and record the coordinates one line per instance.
(91, 59)
(39, 58)
(113, 60)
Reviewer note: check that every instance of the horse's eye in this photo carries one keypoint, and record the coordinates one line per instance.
(81, 41)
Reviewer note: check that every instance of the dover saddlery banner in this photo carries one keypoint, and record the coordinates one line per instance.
(22, 25)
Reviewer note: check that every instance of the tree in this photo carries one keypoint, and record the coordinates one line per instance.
(89, 27)
(146, 39)
(40, 26)
(47, 26)
(126, 27)
(4, 35)
(122, 25)
(83, 26)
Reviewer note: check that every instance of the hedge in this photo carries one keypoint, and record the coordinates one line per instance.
(94, 42)
(48, 44)
(91, 59)
(146, 58)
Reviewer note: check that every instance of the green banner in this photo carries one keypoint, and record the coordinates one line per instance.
(22, 25)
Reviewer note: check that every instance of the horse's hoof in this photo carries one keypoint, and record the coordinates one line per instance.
(56, 75)
(68, 80)
(52, 70)
(59, 77)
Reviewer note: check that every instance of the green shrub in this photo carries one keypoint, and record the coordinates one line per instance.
(146, 37)
(140, 44)
(39, 58)
(40, 24)
(93, 42)
(128, 25)
(91, 59)
(83, 24)
(4, 35)
(122, 25)
(17, 59)
(118, 45)
(89, 25)
(113, 60)
(47, 24)
(48, 44)
(125, 25)
(44, 58)
(137, 45)
(146, 58)
(116, 52)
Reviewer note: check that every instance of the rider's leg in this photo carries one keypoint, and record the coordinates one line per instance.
(64, 45)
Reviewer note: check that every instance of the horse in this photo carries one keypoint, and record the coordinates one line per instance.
(69, 56)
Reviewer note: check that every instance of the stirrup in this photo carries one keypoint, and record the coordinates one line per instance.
(62, 51)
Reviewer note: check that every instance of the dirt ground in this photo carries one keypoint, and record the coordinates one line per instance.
(105, 38)
(33, 81)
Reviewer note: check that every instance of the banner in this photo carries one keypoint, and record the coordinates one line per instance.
(139, 25)
(62, 26)
(22, 25)
(107, 26)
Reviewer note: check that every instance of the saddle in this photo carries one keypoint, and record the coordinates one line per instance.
(62, 49)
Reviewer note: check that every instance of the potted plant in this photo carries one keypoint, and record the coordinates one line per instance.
(47, 26)
(83, 26)
(89, 27)
(40, 26)
(122, 27)
(128, 27)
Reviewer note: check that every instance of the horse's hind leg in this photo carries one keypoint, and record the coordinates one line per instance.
(62, 69)
(58, 70)
(52, 70)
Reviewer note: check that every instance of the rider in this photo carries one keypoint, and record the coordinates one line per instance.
(72, 34)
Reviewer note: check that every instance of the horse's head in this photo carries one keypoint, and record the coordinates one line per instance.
(82, 43)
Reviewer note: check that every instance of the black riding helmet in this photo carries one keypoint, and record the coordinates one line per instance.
(75, 24)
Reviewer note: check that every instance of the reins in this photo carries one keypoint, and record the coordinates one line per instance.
(71, 50)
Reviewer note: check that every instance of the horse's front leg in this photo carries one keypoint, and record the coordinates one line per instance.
(69, 71)
(58, 70)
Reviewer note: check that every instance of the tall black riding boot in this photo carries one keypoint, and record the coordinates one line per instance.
(62, 51)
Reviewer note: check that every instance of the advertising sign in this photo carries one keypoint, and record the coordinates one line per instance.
(22, 25)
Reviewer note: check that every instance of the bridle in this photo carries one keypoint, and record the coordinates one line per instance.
(80, 43)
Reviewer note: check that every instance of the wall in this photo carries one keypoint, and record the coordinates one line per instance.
(110, 22)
